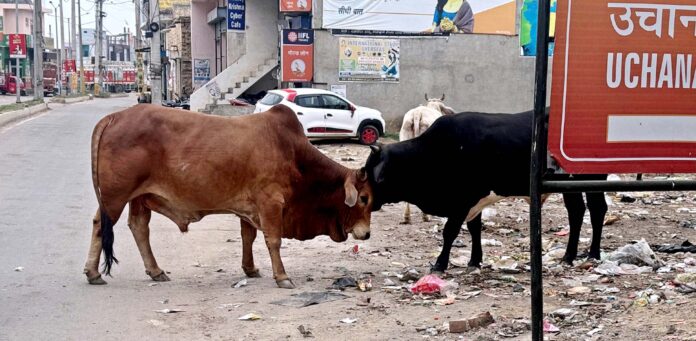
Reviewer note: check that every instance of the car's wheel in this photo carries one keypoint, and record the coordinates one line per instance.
(368, 134)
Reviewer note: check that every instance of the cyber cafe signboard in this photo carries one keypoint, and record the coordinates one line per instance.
(624, 87)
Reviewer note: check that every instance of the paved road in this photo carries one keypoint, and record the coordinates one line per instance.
(46, 205)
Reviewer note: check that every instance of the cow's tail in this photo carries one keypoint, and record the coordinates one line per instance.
(107, 224)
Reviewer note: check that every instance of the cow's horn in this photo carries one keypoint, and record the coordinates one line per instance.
(375, 148)
(443, 97)
(362, 174)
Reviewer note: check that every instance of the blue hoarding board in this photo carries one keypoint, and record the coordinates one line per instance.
(235, 15)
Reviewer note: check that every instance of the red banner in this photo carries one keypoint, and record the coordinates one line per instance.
(18, 45)
(69, 66)
(623, 90)
(295, 5)
(298, 55)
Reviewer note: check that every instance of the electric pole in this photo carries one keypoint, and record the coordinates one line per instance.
(138, 46)
(38, 51)
(72, 29)
(59, 79)
(155, 55)
(62, 40)
(97, 69)
(79, 53)
(17, 78)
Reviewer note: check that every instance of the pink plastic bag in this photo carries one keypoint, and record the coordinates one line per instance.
(428, 284)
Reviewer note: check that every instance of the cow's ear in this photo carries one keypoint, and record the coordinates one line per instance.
(351, 194)
(378, 172)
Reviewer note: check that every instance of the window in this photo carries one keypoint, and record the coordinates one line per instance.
(333, 102)
(309, 101)
(271, 99)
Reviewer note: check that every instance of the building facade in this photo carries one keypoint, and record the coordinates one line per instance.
(480, 72)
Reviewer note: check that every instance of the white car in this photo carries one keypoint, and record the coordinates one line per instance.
(325, 114)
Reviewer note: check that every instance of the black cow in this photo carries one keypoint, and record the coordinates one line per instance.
(470, 160)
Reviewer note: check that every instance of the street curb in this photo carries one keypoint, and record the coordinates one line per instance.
(68, 100)
(10, 117)
(120, 94)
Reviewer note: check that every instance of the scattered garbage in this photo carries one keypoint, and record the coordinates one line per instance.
(686, 246)
(563, 313)
(348, 320)
(507, 265)
(637, 254)
(550, 328)
(250, 317)
(647, 297)
(685, 283)
(19, 269)
(578, 290)
(304, 331)
(481, 320)
(169, 311)
(432, 284)
(365, 284)
(429, 284)
(611, 219)
(450, 299)
(562, 233)
(309, 298)
(344, 282)
(409, 275)
(595, 331)
(491, 242)
(240, 283)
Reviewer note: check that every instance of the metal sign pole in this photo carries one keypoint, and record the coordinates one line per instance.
(538, 164)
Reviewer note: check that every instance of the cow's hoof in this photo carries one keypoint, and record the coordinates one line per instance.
(96, 280)
(438, 268)
(405, 222)
(162, 277)
(285, 284)
(253, 273)
(473, 270)
(426, 219)
(567, 260)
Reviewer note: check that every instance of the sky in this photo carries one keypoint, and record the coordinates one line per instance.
(119, 14)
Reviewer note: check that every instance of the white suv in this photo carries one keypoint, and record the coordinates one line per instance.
(326, 114)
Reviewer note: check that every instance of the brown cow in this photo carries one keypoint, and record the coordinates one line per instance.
(186, 165)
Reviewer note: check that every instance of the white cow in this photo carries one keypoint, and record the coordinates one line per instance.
(418, 120)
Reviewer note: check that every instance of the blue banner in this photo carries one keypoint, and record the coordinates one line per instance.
(236, 15)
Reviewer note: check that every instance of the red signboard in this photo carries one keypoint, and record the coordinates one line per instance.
(18, 45)
(295, 5)
(624, 86)
(298, 55)
(69, 66)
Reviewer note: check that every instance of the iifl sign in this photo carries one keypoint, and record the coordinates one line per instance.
(297, 59)
(624, 87)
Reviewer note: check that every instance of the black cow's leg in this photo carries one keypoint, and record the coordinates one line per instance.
(449, 234)
(598, 209)
(576, 211)
(474, 227)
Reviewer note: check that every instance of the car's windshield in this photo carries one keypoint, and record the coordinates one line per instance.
(271, 99)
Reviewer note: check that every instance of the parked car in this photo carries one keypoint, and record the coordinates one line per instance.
(325, 114)
(8, 84)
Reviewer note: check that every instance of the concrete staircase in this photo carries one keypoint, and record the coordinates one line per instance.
(233, 82)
